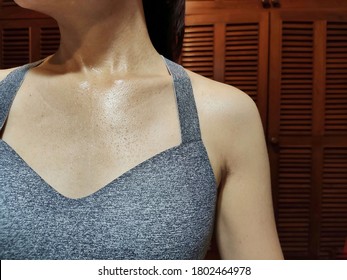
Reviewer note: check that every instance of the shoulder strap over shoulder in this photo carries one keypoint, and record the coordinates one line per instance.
(188, 115)
(8, 89)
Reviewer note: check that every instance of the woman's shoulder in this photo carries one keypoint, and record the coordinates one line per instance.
(226, 102)
(228, 116)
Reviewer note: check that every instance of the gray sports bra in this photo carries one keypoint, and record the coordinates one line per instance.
(163, 208)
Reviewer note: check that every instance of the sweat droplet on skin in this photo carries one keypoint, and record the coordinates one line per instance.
(84, 86)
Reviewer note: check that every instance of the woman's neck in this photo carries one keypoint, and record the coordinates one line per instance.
(114, 40)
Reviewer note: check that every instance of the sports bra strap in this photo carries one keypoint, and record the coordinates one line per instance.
(9, 87)
(188, 116)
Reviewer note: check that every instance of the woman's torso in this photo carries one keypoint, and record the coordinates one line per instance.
(81, 139)
(112, 128)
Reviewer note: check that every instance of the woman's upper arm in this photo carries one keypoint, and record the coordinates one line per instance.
(245, 223)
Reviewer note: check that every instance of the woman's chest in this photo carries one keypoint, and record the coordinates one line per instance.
(81, 146)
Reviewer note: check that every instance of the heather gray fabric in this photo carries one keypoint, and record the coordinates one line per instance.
(163, 208)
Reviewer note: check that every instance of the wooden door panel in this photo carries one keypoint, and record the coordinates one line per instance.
(307, 105)
(15, 47)
(49, 40)
(334, 202)
(242, 56)
(24, 41)
(203, 6)
(293, 198)
(198, 49)
(335, 121)
(297, 79)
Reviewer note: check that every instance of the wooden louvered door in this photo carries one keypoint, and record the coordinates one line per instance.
(308, 130)
(230, 47)
(198, 49)
(333, 228)
(25, 39)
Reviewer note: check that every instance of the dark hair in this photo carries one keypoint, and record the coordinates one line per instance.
(165, 24)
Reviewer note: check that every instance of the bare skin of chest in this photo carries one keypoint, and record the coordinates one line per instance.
(82, 134)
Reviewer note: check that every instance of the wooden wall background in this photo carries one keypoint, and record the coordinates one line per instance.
(290, 56)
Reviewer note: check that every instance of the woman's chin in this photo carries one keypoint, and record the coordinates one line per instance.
(25, 3)
(35, 5)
